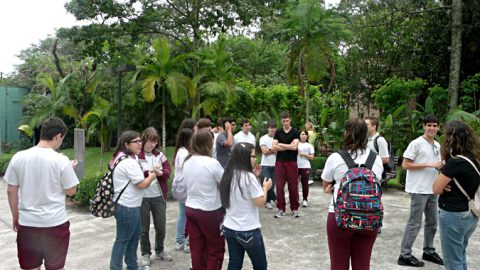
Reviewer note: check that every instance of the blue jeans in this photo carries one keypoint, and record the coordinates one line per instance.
(181, 221)
(420, 204)
(269, 172)
(128, 235)
(455, 229)
(249, 241)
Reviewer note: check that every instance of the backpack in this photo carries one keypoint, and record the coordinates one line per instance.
(102, 204)
(358, 206)
(473, 204)
(390, 166)
(179, 189)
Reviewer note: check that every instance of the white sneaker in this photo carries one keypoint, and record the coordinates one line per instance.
(146, 260)
(305, 203)
(279, 214)
(164, 256)
(273, 203)
(268, 205)
(310, 181)
(186, 248)
(179, 246)
(296, 214)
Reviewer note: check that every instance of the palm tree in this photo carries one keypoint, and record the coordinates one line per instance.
(160, 72)
(101, 120)
(313, 34)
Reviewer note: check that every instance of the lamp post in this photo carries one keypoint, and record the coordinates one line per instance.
(119, 69)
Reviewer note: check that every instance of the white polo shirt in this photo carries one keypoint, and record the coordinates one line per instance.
(242, 137)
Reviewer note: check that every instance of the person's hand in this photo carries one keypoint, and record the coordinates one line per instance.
(437, 165)
(447, 188)
(74, 163)
(15, 225)
(157, 169)
(152, 175)
(228, 126)
(328, 189)
(267, 183)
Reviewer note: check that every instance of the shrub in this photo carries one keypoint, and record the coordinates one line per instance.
(4, 164)
(86, 189)
(317, 163)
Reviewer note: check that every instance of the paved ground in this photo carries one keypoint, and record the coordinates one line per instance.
(292, 244)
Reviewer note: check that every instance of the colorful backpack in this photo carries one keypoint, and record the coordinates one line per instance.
(359, 206)
(102, 204)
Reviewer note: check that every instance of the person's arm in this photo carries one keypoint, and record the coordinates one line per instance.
(306, 155)
(408, 164)
(327, 187)
(385, 160)
(267, 151)
(71, 191)
(260, 201)
(276, 146)
(291, 146)
(441, 184)
(148, 180)
(12, 193)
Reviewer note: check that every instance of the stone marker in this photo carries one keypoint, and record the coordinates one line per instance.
(79, 149)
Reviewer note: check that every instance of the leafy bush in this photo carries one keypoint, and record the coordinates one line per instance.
(4, 164)
(86, 189)
(317, 163)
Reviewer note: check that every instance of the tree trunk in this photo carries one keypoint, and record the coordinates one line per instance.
(164, 132)
(307, 103)
(455, 53)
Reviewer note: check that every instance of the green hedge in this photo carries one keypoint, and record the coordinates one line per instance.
(317, 163)
(86, 189)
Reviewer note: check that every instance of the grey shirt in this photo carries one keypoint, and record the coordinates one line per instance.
(223, 152)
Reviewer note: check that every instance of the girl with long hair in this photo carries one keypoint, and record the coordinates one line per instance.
(457, 223)
(241, 195)
(204, 212)
(348, 245)
(305, 154)
(154, 197)
(128, 176)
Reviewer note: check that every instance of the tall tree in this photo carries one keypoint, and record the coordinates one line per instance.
(455, 53)
(160, 75)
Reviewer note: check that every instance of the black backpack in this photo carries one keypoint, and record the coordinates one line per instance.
(102, 204)
(390, 166)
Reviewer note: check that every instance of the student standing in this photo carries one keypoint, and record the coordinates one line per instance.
(457, 222)
(154, 197)
(305, 154)
(244, 135)
(268, 161)
(345, 245)
(422, 161)
(285, 143)
(38, 180)
(241, 195)
(377, 143)
(225, 141)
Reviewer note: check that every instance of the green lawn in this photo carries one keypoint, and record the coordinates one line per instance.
(93, 157)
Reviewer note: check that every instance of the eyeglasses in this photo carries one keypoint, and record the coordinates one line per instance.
(136, 141)
(435, 150)
(253, 156)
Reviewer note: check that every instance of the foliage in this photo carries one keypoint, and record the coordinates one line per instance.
(317, 163)
(4, 160)
(86, 189)
(396, 92)
(469, 89)
(436, 102)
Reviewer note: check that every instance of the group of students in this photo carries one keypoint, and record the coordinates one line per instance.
(222, 202)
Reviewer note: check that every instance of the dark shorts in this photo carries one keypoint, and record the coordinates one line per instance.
(35, 245)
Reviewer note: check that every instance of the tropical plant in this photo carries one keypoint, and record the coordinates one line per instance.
(160, 74)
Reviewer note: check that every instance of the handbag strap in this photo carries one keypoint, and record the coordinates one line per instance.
(456, 182)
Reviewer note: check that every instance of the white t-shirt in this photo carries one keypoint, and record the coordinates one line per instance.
(182, 153)
(303, 162)
(242, 137)
(382, 145)
(335, 168)
(42, 175)
(214, 147)
(128, 169)
(421, 151)
(267, 160)
(202, 175)
(154, 189)
(242, 215)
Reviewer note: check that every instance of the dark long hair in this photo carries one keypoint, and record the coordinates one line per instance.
(240, 163)
(460, 139)
(187, 123)
(126, 137)
(355, 136)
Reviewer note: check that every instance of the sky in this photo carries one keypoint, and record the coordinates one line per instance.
(26, 22)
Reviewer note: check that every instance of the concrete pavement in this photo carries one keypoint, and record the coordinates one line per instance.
(292, 244)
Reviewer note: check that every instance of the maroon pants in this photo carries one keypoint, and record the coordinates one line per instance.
(207, 246)
(346, 245)
(304, 175)
(286, 172)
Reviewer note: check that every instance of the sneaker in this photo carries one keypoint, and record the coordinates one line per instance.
(144, 267)
(164, 256)
(186, 248)
(410, 261)
(268, 205)
(179, 246)
(433, 257)
(310, 181)
(305, 203)
(146, 260)
(279, 214)
(296, 214)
